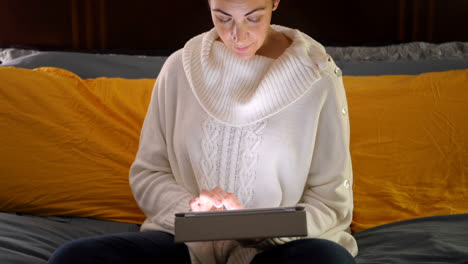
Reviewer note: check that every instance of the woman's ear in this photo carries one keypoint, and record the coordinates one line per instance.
(275, 4)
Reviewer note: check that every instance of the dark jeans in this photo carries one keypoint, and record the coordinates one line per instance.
(159, 247)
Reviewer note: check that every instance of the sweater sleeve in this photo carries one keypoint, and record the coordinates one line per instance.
(328, 196)
(151, 179)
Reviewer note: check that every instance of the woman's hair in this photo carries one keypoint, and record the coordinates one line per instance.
(272, 2)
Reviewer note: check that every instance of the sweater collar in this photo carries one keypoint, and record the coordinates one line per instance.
(241, 92)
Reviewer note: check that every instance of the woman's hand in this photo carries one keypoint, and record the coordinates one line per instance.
(215, 200)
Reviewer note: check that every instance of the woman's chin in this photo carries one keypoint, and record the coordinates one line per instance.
(243, 55)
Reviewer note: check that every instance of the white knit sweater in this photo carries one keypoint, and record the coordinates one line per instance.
(273, 132)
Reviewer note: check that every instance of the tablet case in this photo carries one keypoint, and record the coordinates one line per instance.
(240, 224)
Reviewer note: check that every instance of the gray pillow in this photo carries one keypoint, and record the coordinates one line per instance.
(87, 65)
(411, 51)
(400, 67)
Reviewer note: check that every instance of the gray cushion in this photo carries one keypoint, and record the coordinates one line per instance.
(436, 239)
(30, 239)
(87, 65)
(400, 67)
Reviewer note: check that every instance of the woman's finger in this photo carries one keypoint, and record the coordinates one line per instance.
(212, 197)
(229, 200)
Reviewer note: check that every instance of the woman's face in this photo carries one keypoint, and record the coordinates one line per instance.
(243, 25)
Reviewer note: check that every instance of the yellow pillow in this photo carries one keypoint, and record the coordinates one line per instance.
(409, 146)
(67, 143)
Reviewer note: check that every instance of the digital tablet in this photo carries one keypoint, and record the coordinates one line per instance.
(241, 224)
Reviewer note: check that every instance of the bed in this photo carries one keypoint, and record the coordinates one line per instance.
(75, 82)
(70, 126)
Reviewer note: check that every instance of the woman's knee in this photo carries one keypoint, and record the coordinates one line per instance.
(326, 251)
(76, 251)
(132, 247)
(315, 251)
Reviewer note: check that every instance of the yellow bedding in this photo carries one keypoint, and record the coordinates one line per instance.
(409, 146)
(67, 144)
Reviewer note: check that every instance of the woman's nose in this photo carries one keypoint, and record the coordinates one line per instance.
(238, 33)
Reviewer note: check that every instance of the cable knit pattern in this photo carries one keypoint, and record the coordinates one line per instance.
(252, 139)
(210, 151)
(230, 158)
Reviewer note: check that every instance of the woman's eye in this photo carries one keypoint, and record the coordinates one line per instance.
(224, 20)
(253, 19)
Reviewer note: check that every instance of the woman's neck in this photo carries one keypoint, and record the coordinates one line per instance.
(275, 44)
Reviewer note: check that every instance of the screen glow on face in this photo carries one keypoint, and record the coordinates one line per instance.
(242, 26)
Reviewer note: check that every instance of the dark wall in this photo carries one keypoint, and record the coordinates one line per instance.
(167, 25)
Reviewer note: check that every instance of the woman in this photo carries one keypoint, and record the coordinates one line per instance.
(247, 115)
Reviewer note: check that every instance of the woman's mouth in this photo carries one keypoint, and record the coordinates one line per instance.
(242, 49)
